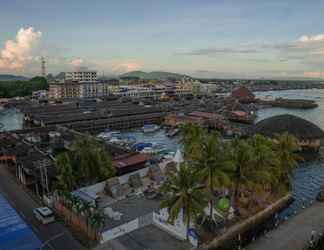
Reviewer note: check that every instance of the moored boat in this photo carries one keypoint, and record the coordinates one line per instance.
(149, 128)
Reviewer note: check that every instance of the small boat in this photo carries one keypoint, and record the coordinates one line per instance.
(108, 135)
(149, 128)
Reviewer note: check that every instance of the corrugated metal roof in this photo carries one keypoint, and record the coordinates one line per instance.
(14, 232)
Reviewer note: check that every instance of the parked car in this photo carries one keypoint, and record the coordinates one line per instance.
(44, 215)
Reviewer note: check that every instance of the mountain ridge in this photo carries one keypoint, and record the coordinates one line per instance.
(156, 75)
(8, 77)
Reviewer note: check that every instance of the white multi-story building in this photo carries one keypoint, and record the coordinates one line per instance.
(81, 76)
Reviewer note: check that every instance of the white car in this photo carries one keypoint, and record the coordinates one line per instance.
(44, 215)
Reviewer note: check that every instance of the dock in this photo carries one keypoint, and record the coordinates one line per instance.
(295, 232)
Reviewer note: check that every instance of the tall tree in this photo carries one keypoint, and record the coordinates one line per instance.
(287, 149)
(191, 137)
(184, 193)
(214, 165)
(86, 162)
(242, 157)
(265, 160)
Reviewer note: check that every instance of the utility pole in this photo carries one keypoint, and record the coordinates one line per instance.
(43, 67)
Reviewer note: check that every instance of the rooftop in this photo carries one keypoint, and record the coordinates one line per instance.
(294, 125)
(130, 209)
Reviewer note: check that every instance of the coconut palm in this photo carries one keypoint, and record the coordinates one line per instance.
(242, 157)
(214, 165)
(265, 160)
(286, 147)
(192, 135)
(184, 193)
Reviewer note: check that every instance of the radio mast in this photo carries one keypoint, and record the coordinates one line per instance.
(43, 67)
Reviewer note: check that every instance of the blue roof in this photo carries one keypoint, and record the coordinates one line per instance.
(14, 232)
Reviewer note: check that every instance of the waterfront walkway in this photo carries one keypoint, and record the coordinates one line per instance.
(294, 233)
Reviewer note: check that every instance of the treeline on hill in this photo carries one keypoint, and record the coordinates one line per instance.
(22, 88)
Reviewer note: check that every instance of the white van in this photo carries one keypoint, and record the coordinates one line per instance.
(44, 215)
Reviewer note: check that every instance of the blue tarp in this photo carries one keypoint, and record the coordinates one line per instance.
(14, 232)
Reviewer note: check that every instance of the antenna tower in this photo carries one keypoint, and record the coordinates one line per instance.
(43, 67)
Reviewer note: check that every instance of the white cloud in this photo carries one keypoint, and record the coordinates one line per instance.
(76, 62)
(17, 54)
(315, 38)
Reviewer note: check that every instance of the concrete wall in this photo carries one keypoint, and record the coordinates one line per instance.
(178, 229)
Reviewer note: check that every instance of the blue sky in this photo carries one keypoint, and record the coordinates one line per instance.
(209, 38)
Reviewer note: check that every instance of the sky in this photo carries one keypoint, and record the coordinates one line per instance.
(203, 38)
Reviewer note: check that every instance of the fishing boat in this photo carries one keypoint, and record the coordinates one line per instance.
(149, 128)
(107, 135)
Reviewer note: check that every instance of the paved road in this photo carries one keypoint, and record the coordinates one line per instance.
(295, 233)
(24, 205)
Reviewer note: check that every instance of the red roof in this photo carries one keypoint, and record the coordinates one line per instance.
(242, 92)
(129, 160)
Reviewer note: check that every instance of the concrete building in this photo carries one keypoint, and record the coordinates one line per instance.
(67, 90)
(81, 76)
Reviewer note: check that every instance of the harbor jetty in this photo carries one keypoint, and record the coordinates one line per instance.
(295, 233)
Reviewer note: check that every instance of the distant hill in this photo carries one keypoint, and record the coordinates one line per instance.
(10, 78)
(156, 75)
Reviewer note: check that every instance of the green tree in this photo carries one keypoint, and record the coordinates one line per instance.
(287, 148)
(184, 192)
(191, 137)
(242, 157)
(214, 165)
(86, 162)
(265, 160)
(66, 180)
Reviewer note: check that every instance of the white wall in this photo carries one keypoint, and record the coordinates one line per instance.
(178, 229)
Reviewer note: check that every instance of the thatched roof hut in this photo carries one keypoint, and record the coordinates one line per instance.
(294, 125)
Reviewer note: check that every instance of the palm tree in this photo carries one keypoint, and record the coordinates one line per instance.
(265, 160)
(286, 147)
(192, 135)
(214, 165)
(242, 157)
(184, 193)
